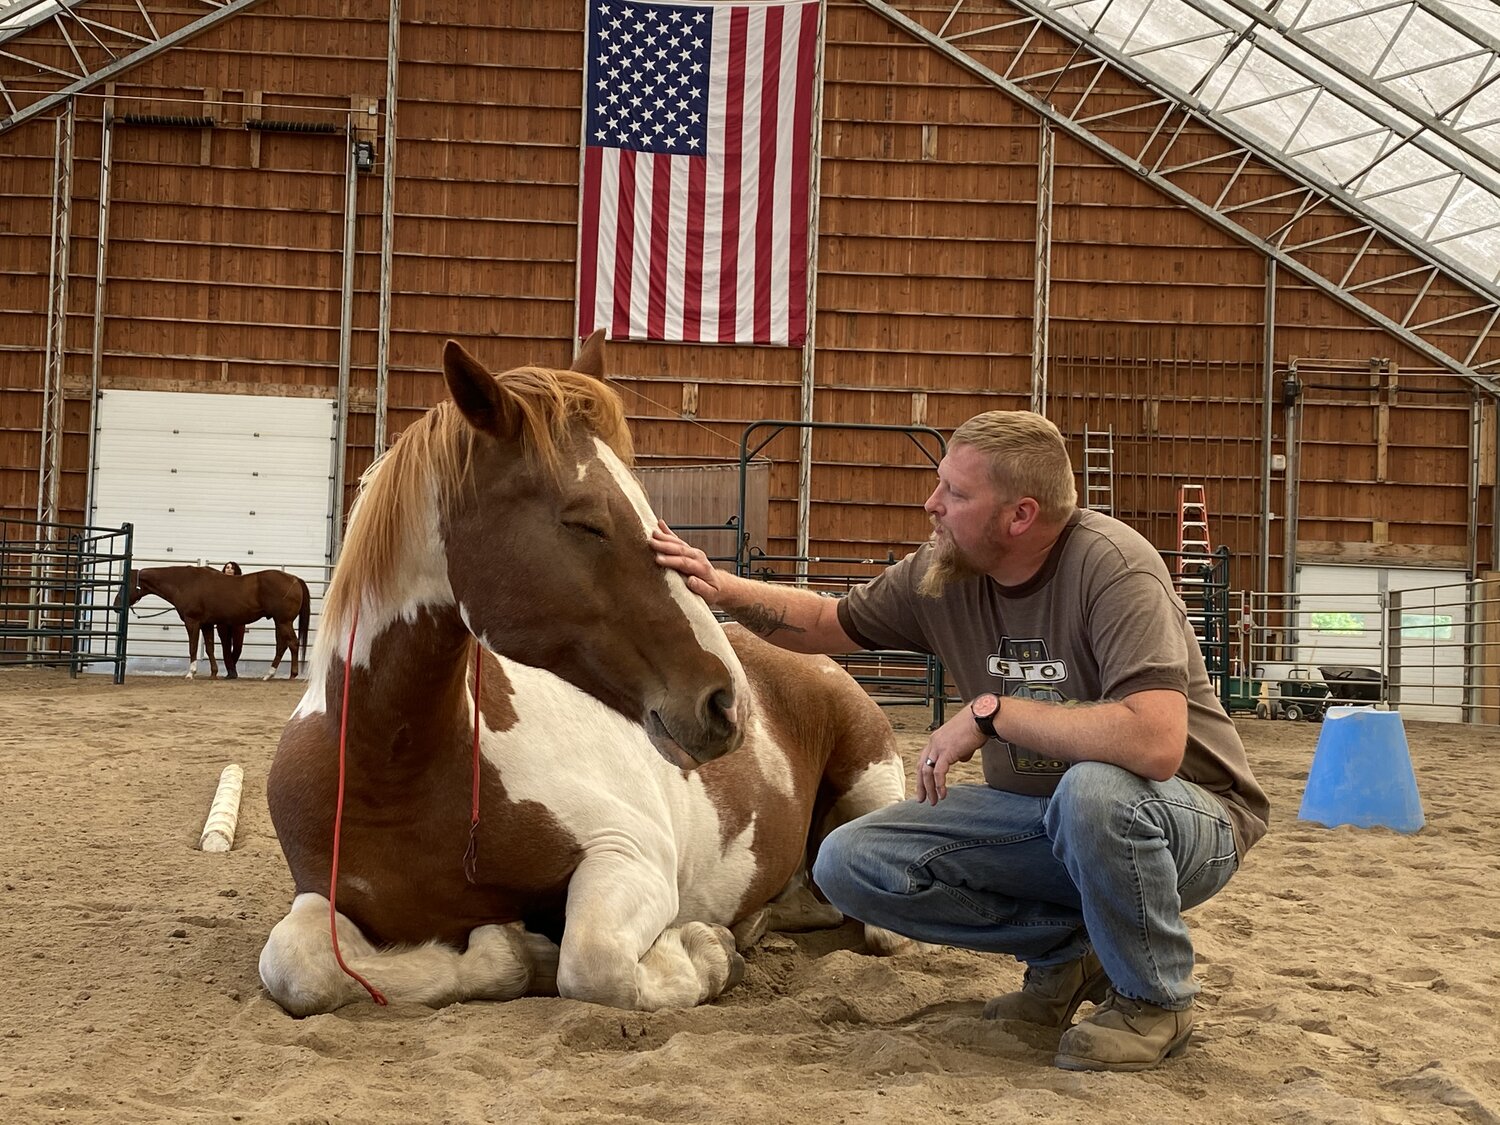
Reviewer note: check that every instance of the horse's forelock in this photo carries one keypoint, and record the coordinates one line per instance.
(435, 453)
(551, 402)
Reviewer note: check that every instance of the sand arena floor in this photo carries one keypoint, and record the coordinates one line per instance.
(1349, 976)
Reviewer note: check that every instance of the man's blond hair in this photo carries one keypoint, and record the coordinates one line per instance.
(1027, 457)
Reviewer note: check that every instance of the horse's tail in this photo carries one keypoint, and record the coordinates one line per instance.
(303, 616)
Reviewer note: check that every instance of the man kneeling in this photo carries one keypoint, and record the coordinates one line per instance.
(1117, 790)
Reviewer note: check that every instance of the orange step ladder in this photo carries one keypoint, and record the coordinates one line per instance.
(1193, 546)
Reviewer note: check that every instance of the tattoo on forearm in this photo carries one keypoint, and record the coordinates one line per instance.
(762, 620)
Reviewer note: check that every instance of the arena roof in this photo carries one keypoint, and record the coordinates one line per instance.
(1391, 105)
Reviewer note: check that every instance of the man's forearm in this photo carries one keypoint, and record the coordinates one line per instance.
(787, 616)
(1146, 734)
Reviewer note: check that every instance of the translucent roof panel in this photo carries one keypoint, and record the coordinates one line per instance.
(1391, 106)
(24, 13)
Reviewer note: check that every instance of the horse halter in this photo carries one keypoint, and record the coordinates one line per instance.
(470, 853)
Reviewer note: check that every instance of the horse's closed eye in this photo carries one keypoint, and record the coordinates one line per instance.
(586, 529)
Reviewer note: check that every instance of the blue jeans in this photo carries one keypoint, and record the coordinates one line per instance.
(1109, 860)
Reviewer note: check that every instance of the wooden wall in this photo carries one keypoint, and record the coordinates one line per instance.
(225, 252)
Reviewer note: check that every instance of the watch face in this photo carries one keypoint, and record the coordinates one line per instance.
(986, 706)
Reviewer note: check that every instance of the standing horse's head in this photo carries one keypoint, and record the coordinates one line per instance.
(138, 584)
(550, 563)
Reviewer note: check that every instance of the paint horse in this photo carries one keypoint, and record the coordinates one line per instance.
(204, 597)
(636, 798)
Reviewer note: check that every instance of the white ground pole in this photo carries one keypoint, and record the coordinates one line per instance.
(224, 813)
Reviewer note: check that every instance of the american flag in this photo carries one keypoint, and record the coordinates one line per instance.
(697, 160)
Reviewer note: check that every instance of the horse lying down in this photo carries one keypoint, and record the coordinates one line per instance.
(650, 786)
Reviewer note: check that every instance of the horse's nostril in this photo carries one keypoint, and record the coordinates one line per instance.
(723, 701)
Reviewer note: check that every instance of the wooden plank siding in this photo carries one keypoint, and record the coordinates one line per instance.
(225, 260)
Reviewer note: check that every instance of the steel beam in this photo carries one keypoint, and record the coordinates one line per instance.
(85, 77)
(1487, 297)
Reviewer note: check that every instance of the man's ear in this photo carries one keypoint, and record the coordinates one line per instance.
(1028, 512)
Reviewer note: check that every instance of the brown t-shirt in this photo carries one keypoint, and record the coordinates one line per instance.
(1099, 621)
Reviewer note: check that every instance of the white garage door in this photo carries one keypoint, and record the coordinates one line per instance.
(1341, 621)
(205, 478)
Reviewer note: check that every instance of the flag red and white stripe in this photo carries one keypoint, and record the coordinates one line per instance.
(697, 171)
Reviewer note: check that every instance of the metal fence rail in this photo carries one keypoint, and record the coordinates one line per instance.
(62, 595)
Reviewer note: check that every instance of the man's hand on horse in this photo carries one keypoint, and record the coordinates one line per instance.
(676, 553)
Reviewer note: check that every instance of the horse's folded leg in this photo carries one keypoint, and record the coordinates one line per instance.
(713, 966)
(685, 966)
(748, 931)
(503, 962)
(887, 943)
(797, 908)
(297, 965)
(300, 972)
(699, 939)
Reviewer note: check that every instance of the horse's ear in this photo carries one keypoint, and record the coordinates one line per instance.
(475, 391)
(590, 357)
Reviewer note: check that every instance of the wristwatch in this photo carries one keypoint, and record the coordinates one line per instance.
(985, 709)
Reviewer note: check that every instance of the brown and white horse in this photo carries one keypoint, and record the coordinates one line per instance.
(645, 781)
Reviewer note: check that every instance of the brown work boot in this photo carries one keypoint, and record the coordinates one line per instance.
(1124, 1034)
(1050, 995)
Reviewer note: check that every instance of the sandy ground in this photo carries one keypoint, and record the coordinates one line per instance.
(1349, 976)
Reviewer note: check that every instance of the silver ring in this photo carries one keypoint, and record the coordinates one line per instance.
(931, 763)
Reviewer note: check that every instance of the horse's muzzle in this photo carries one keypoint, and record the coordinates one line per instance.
(688, 741)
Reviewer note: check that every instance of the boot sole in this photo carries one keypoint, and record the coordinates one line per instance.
(1076, 1062)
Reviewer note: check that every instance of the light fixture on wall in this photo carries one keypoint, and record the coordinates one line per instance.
(1291, 389)
(364, 156)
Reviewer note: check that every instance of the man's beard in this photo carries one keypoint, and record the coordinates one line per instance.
(947, 565)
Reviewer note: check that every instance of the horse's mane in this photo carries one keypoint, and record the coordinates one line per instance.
(435, 454)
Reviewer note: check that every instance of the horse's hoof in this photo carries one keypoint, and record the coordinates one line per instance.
(736, 972)
(231, 675)
(736, 962)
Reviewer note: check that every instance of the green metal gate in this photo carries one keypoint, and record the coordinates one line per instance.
(62, 595)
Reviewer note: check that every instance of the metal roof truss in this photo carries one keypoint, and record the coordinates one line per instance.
(1387, 158)
(95, 48)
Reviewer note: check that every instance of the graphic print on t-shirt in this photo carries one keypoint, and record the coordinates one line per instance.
(1029, 673)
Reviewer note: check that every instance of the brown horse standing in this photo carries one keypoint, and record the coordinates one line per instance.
(204, 597)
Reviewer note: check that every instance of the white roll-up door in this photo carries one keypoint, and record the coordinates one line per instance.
(1342, 620)
(205, 478)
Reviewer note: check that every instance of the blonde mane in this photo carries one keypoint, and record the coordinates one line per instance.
(435, 455)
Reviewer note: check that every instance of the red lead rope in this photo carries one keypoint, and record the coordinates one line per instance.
(471, 855)
(338, 814)
(338, 823)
